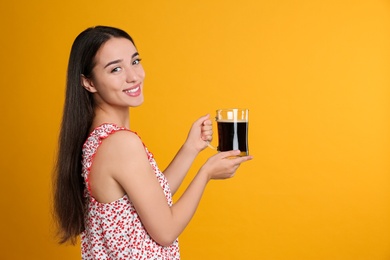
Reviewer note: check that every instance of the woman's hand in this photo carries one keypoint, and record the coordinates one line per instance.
(200, 133)
(223, 165)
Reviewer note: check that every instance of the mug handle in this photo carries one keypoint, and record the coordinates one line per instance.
(211, 146)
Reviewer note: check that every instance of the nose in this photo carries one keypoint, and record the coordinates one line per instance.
(131, 74)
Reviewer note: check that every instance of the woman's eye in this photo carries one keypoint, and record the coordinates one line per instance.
(116, 69)
(136, 61)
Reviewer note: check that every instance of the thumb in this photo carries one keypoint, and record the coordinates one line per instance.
(200, 121)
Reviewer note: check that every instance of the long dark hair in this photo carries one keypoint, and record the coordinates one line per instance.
(69, 201)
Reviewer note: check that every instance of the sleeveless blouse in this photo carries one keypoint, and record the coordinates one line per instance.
(114, 231)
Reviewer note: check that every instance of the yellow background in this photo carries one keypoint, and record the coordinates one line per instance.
(314, 74)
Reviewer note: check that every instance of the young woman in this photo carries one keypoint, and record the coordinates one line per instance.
(108, 188)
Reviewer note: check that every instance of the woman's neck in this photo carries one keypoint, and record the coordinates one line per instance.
(118, 117)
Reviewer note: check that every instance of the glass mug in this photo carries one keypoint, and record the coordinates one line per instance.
(232, 130)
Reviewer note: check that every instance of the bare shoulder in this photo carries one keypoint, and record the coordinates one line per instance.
(119, 159)
(123, 141)
(122, 152)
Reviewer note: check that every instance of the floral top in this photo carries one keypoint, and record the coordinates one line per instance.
(114, 230)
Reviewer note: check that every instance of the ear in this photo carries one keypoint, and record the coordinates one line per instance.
(87, 84)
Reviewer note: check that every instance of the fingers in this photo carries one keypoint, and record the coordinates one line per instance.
(229, 154)
(242, 159)
(207, 133)
(207, 137)
(235, 160)
(207, 122)
(207, 129)
(223, 165)
(234, 156)
(202, 119)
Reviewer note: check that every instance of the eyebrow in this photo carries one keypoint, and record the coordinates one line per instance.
(119, 60)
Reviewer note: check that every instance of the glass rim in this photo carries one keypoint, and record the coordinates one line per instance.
(228, 109)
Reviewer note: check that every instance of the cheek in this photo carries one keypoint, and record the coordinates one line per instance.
(141, 72)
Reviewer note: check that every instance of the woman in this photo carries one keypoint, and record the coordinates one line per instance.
(108, 188)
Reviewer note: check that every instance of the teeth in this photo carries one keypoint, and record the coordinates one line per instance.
(133, 90)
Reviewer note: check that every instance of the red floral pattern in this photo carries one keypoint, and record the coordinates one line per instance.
(114, 231)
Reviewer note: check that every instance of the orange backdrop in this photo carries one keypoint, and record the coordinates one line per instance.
(314, 74)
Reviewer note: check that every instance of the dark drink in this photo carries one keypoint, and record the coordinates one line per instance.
(233, 136)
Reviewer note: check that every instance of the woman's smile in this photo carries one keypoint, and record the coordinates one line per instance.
(134, 91)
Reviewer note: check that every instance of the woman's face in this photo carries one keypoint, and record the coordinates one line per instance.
(118, 76)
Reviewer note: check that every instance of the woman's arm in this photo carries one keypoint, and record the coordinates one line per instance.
(129, 166)
(200, 133)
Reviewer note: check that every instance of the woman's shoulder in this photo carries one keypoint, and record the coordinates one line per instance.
(123, 140)
(107, 128)
(122, 150)
(104, 130)
(113, 140)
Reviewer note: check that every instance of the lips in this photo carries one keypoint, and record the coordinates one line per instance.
(135, 91)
